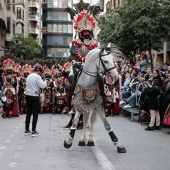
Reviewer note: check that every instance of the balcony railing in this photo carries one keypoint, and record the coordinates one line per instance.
(33, 17)
(33, 31)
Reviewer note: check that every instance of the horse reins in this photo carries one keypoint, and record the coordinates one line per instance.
(100, 61)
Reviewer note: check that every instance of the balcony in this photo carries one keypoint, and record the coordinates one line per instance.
(34, 5)
(33, 18)
(33, 31)
(3, 14)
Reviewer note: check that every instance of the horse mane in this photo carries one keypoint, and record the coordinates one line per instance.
(91, 53)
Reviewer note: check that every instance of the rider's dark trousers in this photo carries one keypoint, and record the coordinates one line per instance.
(32, 103)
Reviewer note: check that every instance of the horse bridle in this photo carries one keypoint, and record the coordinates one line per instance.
(106, 70)
(100, 61)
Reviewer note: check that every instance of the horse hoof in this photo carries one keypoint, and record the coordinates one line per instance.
(67, 145)
(121, 150)
(81, 144)
(90, 144)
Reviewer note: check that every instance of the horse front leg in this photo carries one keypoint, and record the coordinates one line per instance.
(68, 141)
(92, 119)
(120, 148)
(83, 135)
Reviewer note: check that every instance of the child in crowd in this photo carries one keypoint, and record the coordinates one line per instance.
(153, 103)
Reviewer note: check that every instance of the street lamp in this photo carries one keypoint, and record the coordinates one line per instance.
(23, 50)
(54, 55)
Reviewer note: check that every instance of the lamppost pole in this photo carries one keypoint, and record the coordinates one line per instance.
(23, 50)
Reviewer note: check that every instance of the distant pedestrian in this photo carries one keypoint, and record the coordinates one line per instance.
(154, 92)
(33, 84)
(144, 64)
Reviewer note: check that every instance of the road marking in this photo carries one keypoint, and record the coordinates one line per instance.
(15, 131)
(12, 165)
(101, 157)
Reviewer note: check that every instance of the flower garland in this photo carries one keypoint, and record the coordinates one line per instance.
(6, 83)
(110, 82)
(80, 44)
(59, 85)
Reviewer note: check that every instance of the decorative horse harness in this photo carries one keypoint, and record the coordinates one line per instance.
(88, 98)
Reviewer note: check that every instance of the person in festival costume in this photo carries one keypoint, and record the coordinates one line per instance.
(111, 93)
(26, 70)
(9, 93)
(84, 17)
(59, 88)
(47, 93)
(17, 72)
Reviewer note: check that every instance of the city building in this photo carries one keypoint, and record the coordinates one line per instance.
(34, 20)
(15, 19)
(3, 25)
(11, 21)
(57, 28)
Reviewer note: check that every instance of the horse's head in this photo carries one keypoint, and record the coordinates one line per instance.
(107, 57)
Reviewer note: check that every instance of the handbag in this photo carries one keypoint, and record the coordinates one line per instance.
(166, 119)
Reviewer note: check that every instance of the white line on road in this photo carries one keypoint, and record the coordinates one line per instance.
(101, 157)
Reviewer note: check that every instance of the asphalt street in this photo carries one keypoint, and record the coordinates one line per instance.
(145, 150)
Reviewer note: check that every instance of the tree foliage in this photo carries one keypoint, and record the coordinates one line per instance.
(136, 26)
(33, 49)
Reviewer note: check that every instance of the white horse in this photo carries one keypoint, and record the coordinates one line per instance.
(88, 98)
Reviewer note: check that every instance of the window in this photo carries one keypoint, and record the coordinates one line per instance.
(65, 3)
(8, 25)
(49, 16)
(65, 40)
(59, 52)
(60, 16)
(70, 29)
(65, 28)
(65, 16)
(60, 28)
(55, 28)
(18, 13)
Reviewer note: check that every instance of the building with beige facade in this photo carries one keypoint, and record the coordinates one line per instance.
(19, 17)
(34, 19)
(3, 25)
(12, 14)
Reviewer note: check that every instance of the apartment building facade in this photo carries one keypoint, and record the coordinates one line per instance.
(57, 28)
(15, 18)
(11, 21)
(3, 25)
(34, 19)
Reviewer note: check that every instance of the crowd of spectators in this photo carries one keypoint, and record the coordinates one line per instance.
(145, 88)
